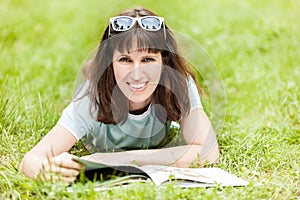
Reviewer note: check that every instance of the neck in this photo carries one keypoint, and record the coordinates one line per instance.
(133, 107)
(139, 111)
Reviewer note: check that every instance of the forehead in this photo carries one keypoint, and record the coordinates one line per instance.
(136, 53)
(137, 40)
(132, 46)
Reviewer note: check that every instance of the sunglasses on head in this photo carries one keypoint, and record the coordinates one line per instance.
(148, 23)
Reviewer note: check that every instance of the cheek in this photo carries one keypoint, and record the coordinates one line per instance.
(120, 73)
(154, 72)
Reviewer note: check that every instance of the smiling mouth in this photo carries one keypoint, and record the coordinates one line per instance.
(137, 86)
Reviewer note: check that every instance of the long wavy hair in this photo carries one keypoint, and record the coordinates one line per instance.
(172, 90)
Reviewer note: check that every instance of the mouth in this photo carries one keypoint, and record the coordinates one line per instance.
(137, 86)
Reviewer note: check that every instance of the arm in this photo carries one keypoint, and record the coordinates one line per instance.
(200, 140)
(197, 130)
(50, 156)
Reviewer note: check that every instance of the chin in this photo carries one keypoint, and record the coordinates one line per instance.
(138, 100)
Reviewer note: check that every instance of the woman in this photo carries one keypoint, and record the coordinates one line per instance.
(135, 86)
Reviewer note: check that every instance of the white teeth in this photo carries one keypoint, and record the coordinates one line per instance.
(137, 86)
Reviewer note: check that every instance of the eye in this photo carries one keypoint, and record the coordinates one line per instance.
(148, 59)
(125, 60)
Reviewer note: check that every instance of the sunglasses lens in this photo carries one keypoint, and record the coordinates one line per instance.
(151, 23)
(122, 24)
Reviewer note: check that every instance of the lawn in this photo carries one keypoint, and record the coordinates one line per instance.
(254, 45)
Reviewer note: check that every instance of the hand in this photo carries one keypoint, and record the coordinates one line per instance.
(60, 168)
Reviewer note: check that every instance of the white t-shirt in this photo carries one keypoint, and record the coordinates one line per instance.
(138, 131)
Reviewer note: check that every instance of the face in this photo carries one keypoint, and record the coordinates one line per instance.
(137, 74)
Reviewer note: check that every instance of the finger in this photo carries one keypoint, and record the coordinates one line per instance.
(68, 163)
(61, 170)
(71, 164)
(67, 172)
(69, 179)
(57, 178)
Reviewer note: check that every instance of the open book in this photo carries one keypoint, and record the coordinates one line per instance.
(159, 174)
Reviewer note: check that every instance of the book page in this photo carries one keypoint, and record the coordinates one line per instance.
(195, 177)
(119, 182)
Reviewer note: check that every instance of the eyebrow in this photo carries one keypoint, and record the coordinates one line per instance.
(152, 55)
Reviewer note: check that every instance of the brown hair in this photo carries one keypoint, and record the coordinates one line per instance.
(171, 92)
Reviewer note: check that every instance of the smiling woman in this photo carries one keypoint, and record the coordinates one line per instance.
(135, 86)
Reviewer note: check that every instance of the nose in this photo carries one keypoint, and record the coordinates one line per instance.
(137, 72)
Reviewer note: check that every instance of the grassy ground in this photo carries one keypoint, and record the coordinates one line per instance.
(254, 43)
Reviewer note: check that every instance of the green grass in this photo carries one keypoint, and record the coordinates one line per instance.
(254, 44)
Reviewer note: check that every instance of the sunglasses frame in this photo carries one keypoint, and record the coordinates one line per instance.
(139, 20)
